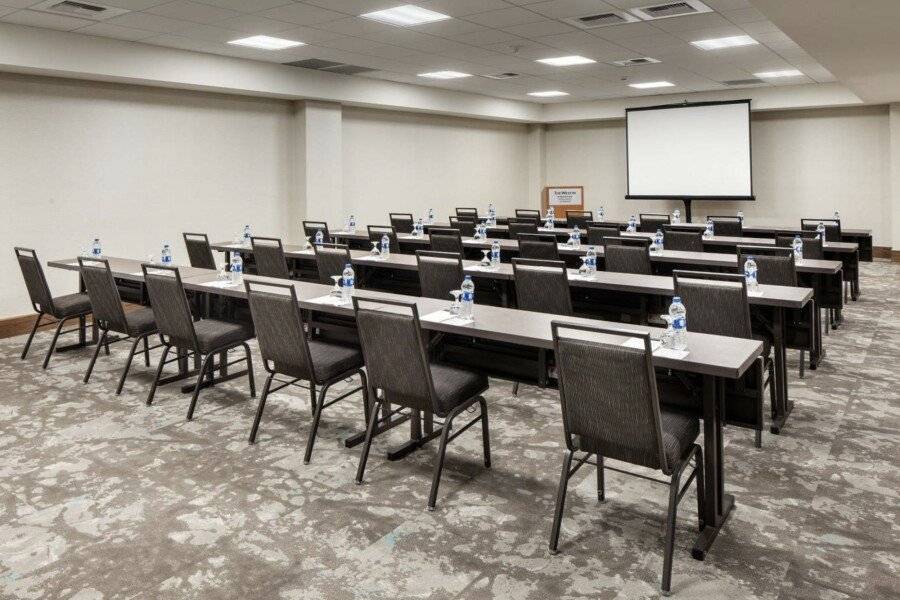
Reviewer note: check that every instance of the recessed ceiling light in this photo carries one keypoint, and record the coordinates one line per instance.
(785, 73)
(548, 94)
(725, 42)
(265, 42)
(444, 75)
(566, 61)
(405, 15)
(651, 84)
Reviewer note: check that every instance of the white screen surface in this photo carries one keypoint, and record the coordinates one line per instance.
(690, 151)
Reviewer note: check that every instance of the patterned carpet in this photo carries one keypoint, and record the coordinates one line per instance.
(103, 497)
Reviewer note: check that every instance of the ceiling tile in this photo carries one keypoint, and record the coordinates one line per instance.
(140, 20)
(192, 11)
(129, 4)
(308, 35)
(34, 18)
(114, 31)
(459, 8)
(560, 9)
(302, 14)
(210, 33)
(506, 17)
(352, 7)
(540, 28)
(485, 37)
(255, 25)
(245, 6)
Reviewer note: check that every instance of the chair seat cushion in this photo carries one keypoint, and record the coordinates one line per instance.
(213, 334)
(330, 360)
(140, 321)
(71, 305)
(454, 386)
(679, 431)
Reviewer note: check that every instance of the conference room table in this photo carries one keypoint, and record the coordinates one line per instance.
(715, 358)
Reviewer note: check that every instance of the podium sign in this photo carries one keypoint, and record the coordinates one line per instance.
(563, 198)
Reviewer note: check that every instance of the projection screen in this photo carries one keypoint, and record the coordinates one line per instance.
(689, 151)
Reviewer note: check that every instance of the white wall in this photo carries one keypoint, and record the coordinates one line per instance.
(134, 165)
(805, 164)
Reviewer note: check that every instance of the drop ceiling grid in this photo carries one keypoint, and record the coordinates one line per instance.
(484, 37)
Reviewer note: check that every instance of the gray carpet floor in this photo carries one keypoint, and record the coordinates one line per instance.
(104, 497)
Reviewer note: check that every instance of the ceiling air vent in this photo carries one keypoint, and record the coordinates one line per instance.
(671, 9)
(606, 19)
(502, 76)
(643, 60)
(741, 82)
(84, 10)
(318, 64)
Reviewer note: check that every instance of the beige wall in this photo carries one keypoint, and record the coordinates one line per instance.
(134, 165)
(805, 164)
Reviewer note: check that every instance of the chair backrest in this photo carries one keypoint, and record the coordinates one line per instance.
(627, 255)
(608, 394)
(812, 244)
(268, 254)
(832, 228)
(730, 226)
(465, 225)
(541, 246)
(519, 225)
(106, 302)
(775, 266)
(394, 350)
(376, 232)
(35, 281)
(439, 272)
(542, 286)
(581, 218)
(467, 212)
(331, 260)
(401, 222)
(689, 241)
(652, 221)
(716, 303)
(278, 323)
(170, 305)
(596, 233)
(199, 252)
(445, 240)
(311, 227)
(528, 213)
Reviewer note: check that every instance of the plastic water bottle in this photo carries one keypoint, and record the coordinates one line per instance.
(551, 218)
(385, 246)
(590, 260)
(351, 224)
(710, 230)
(632, 224)
(658, 240)
(740, 215)
(347, 281)
(599, 215)
(837, 216)
(247, 234)
(576, 237)
(492, 214)
(468, 298)
(96, 248)
(678, 314)
(751, 273)
(237, 267)
(419, 228)
(165, 255)
(676, 216)
(320, 237)
(797, 244)
(431, 216)
(495, 254)
(820, 230)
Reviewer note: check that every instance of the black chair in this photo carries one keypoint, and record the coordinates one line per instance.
(177, 329)
(727, 225)
(439, 272)
(717, 304)
(445, 240)
(287, 351)
(542, 286)
(650, 222)
(106, 302)
(331, 259)
(200, 254)
(812, 244)
(775, 265)
(467, 212)
(402, 222)
(60, 308)
(397, 364)
(376, 232)
(268, 254)
(688, 241)
(540, 246)
(528, 213)
(465, 226)
(832, 228)
(611, 409)
(627, 255)
(519, 225)
(581, 218)
(311, 227)
(596, 233)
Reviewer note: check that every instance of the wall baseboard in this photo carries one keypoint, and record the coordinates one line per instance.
(13, 326)
(895, 256)
(881, 252)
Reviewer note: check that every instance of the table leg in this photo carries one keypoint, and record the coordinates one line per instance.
(417, 438)
(783, 406)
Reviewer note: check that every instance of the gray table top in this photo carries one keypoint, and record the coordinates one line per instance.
(726, 240)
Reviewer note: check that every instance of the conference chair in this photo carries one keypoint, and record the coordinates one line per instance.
(832, 228)
(727, 225)
(467, 212)
(203, 339)
(596, 233)
(688, 241)
(528, 213)
(311, 227)
(541, 246)
(775, 265)
(627, 255)
(799, 333)
(397, 364)
(650, 222)
(581, 218)
(812, 244)
(465, 225)
(288, 351)
(519, 225)
(331, 259)
(200, 254)
(439, 273)
(718, 305)
(402, 222)
(376, 232)
(61, 308)
(611, 409)
(446, 240)
(137, 324)
(268, 254)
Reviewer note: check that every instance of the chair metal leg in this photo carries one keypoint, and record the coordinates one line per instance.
(701, 488)
(207, 361)
(262, 405)
(560, 502)
(250, 375)
(37, 323)
(146, 350)
(370, 430)
(674, 488)
(93, 361)
(515, 389)
(320, 404)
(485, 433)
(312, 397)
(159, 369)
(601, 480)
(128, 362)
(52, 347)
(802, 363)
(439, 463)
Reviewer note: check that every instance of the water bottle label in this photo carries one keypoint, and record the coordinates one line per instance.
(348, 282)
(237, 268)
(468, 296)
(678, 323)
